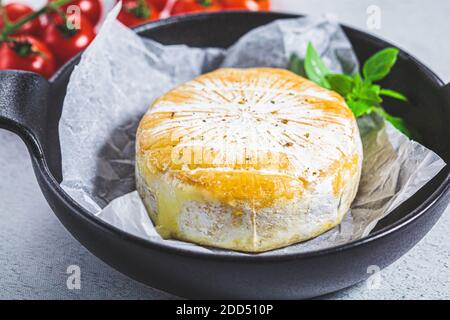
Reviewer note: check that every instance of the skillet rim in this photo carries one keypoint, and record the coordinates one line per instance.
(408, 219)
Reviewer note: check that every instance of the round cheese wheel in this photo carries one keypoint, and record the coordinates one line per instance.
(248, 160)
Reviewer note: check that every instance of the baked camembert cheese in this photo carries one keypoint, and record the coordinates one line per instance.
(248, 160)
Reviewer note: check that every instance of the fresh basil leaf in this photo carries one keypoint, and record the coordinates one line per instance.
(380, 64)
(370, 94)
(393, 94)
(296, 65)
(376, 89)
(359, 108)
(315, 68)
(358, 83)
(340, 83)
(362, 96)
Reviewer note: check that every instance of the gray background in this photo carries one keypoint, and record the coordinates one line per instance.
(35, 250)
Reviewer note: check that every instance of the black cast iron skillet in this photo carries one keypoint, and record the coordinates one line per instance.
(30, 107)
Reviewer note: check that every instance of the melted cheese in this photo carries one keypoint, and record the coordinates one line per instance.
(248, 141)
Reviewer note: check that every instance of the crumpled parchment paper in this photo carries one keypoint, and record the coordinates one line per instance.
(121, 74)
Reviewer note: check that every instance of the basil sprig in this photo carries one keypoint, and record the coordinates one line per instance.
(361, 94)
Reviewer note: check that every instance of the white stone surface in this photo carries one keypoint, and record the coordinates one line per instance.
(35, 250)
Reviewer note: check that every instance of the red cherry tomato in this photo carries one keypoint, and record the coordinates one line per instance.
(264, 5)
(27, 53)
(252, 5)
(66, 42)
(91, 9)
(158, 4)
(133, 14)
(16, 11)
(240, 5)
(195, 6)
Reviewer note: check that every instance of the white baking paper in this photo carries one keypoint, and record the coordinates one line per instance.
(121, 74)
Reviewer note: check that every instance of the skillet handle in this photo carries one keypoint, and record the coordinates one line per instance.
(23, 107)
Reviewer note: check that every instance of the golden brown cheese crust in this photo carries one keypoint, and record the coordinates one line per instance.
(247, 142)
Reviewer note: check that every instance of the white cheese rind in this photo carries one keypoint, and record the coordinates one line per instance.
(304, 135)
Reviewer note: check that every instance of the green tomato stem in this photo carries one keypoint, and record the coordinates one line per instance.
(142, 10)
(10, 28)
(205, 3)
(3, 14)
